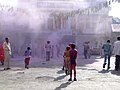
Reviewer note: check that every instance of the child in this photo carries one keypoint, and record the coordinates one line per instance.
(67, 60)
(48, 50)
(1, 55)
(73, 56)
(107, 53)
(27, 57)
(69, 45)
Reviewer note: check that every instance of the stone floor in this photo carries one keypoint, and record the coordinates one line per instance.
(49, 75)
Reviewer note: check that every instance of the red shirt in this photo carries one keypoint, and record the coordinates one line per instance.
(1, 53)
(73, 56)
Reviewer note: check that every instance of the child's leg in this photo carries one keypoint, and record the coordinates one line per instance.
(74, 72)
(48, 55)
(69, 66)
(67, 63)
(25, 62)
(108, 61)
(105, 59)
(71, 71)
(28, 60)
(2, 62)
(63, 65)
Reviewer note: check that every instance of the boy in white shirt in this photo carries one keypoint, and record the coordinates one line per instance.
(116, 52)
(48, 49)
(7, 54)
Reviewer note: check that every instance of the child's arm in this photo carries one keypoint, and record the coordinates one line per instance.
(25, 53)
(76, 54)
(30, 52)
(64, 54)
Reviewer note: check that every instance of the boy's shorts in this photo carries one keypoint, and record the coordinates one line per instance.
(27, 60)
(72, 66)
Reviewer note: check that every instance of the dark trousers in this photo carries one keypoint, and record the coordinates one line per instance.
(72, 67)
(107, 56)
(27, 60)
(117, 62)
(47, 56)
(85, 54)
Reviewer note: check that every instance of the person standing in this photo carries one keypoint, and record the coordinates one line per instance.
(1, 54)
(52, 51)
(86, 50)
(69, 45)
(48, 49)
(107, 53)
(67, 60)
(73, 56)
(116, 51)
(42, 51)
(101, 50)
(27, 57)
(7, 54)
(58, 50)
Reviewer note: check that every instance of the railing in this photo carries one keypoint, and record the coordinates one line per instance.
(90, 10)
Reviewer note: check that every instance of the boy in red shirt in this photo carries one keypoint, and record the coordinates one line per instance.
(1, 55)
(73, 56)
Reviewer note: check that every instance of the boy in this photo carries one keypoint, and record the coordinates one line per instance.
(116, 52)
(27, 57)
(48, 49)
(73, 56)
(7, 53)
(107, 53)
(1, 55)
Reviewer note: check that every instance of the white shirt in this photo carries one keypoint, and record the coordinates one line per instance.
(6, 47)
(116, 49)
(48, 47)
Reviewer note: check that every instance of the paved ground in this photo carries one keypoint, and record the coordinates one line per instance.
(48, 75)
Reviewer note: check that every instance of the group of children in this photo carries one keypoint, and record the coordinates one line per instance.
(70, 55)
